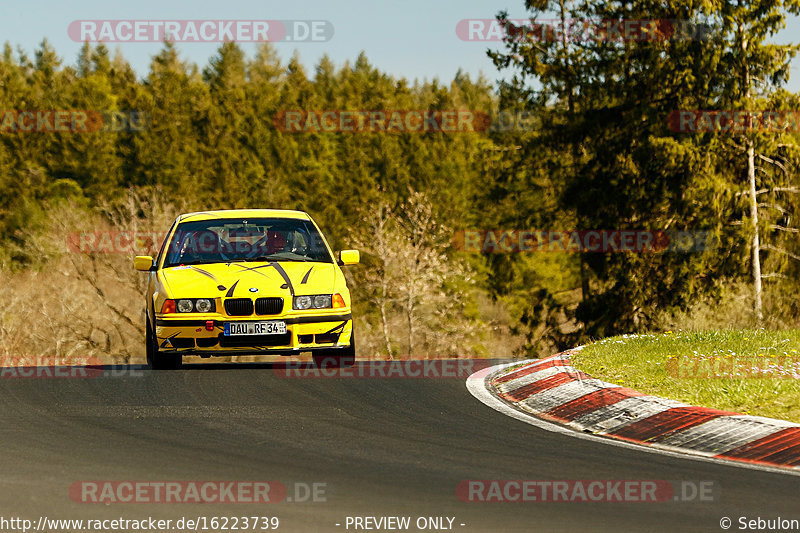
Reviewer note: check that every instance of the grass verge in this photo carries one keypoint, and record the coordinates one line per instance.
(750, 372)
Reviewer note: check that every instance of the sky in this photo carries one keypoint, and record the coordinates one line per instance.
(414, 39)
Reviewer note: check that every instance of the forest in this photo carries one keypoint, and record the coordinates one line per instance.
(663, 138)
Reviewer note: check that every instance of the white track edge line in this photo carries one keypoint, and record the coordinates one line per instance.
(477, 387)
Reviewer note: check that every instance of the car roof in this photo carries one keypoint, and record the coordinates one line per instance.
(238, 213)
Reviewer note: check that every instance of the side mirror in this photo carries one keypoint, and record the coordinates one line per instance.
(349, 257)
(143, 263)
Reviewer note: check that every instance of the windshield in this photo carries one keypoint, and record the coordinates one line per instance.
(252, 239)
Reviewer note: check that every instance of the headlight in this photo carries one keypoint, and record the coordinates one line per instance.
(321, 301)
(189, 305)
(185, 306)
(302, 302)
(317, 301)
(203, 305)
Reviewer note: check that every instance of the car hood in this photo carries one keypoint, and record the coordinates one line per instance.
(255, 279)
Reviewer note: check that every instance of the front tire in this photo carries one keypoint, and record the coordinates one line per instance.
(336, 358)
(155, 359)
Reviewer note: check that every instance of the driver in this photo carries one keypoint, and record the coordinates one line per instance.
(201, 245)
(275, 242)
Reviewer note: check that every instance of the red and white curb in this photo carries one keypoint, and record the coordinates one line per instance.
(553, 390)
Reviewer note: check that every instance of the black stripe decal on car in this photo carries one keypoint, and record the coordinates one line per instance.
(276, 266)
(203, 272)
(337, 328)
(166, 339)
(284, 275)
(230, 291)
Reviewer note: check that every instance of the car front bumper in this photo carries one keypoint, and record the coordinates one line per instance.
(204, 335)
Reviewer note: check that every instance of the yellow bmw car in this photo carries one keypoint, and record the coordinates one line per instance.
(247, 281)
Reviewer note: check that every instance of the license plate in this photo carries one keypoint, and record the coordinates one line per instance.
(254, 328)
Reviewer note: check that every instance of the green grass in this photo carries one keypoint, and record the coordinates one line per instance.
(641, 362)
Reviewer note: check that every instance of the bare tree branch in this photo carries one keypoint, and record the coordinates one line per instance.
(783, 228)
(780, 251)
(774, 276)
(776, 207)
(773, 162)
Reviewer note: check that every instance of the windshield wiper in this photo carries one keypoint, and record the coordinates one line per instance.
(277, 258)
(190, 263)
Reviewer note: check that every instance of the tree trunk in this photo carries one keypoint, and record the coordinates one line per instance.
(756, 246)
(584, 269)
(383, 317)
(410, 316)
(751, 179)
